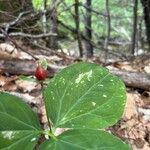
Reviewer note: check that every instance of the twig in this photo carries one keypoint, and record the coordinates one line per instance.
(51, 52)
(96, 12)
(16, 20)
(22, 49)
(16, 45)
(28, 35)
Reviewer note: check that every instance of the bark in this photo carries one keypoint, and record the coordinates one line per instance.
(52, 42)
(44, 19)
(135, 20)
(27, 67)
(22, 34)
(108, 29)
(77, 22)
(146, 10)
(140, 32)
(108, 25)
(133, 79)
(88, 28)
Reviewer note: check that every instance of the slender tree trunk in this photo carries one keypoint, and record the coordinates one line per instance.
(88, 28)
(44, 19)
(135, 20)
(146, 10)
(108, 24)
(52, 41)
(140, 32)
(108, 28)
(77, 22)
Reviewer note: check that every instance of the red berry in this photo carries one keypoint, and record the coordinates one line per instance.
(40, 73)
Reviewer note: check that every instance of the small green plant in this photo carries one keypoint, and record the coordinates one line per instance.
(83, 98)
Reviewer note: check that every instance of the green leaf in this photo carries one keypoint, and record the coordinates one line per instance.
(19, 125)
(84, 95)
(85, 140)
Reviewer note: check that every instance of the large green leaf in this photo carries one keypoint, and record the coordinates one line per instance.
(85, 140)
(84, 95)
(19, 125)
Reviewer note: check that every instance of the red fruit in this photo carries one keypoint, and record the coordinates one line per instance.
(40, 73)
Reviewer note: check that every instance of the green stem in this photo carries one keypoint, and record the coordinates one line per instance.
(50, 134)
(49, 124)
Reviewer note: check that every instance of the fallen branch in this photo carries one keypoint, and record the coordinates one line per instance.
(27, 67)
(15, 34)
(133, 79)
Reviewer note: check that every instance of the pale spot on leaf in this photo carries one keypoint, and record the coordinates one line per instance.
(104, 95)
(87, 75)
(8, 134)
(93, 103)
(33, 139)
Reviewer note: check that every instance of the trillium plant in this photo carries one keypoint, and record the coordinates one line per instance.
(82, 99)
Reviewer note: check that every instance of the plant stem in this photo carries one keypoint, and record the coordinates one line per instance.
(49, 124)
(52, 136)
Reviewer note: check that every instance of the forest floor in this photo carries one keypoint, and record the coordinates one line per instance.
(133, 128)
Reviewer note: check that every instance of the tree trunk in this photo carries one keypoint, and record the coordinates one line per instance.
(88, 29)
(52, 42)
(140, 33)
(108, 29)
(135, 18)
(146, 10)
(44, 19)
(77, 22)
